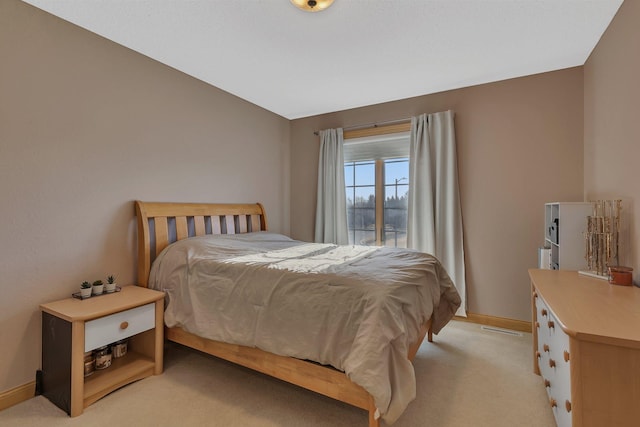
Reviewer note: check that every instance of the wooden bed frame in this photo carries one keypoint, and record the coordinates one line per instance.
(160, 224)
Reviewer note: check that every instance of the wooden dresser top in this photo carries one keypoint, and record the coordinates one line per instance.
(591, 309)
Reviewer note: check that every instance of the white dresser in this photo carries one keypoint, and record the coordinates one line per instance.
(586, 347)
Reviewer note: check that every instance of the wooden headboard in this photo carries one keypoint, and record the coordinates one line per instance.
(160, 224)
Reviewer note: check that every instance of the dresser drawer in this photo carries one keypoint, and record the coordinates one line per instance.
(118, 326)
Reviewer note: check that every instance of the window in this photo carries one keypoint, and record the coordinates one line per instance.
(377, 185)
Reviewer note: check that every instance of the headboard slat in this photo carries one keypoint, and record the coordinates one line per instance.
(182, 230)
(162, 234)
(215, 224)
(255, 222)
(199, 225)
(242, 223)
(231, 225)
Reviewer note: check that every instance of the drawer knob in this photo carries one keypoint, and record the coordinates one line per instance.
(550, 324)
(566, 356)
(543, 312)
(552, 363)
(546, 348)
(567, 405)
(547, 383)
(537, 325)
(124, 325)
(537, 355)
(553, 403)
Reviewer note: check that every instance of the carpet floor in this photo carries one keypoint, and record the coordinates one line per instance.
(467, 377)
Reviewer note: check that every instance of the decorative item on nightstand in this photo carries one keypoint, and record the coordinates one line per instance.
(119, 348)
(89, 363)
(103, 357)
(85, 290)
(98, 287)
(110, 286)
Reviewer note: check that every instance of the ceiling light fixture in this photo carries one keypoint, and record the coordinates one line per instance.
(312, 5)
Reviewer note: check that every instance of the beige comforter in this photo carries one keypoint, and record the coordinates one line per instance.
(355, 308)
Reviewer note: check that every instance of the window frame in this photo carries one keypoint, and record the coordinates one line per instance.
(379, 191)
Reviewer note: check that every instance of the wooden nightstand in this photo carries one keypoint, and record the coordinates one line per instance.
(70, 327)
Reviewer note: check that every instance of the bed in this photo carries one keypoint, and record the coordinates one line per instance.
(236, 230)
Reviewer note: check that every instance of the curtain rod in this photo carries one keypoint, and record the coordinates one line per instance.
(371, 125)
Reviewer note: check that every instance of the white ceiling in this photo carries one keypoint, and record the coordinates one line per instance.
(356, 53)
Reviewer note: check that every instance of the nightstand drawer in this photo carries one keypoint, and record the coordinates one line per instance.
(108, 329)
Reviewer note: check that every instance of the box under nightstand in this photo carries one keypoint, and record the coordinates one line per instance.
(70, 327)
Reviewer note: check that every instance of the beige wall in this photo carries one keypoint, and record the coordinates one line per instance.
(612, 120)
(519, 146)
(86, 127)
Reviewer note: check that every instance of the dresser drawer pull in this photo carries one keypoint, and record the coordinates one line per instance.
(553, 403)
(124, 325)
(550, 324)
(566, 356)
(537, 355)
(552, 363)
(543, 312)
(567, 405)
(537, 325)
(547, 383)
(546, 348)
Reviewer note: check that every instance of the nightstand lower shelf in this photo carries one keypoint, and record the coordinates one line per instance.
(123, 370)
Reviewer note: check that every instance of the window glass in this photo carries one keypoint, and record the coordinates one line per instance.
(348, 174)
(365, 173)
(360, 179)
(396, 192)
(362, 203)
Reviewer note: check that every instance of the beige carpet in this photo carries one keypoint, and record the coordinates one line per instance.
(466, 377)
